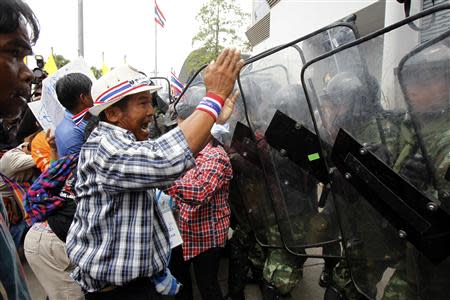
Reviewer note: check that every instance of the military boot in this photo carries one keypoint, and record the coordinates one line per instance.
(326, 277)
(270, 292)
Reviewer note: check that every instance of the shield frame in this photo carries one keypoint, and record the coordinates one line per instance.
(323, 178)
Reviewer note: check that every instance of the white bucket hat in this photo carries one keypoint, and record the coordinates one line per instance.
(116, 84)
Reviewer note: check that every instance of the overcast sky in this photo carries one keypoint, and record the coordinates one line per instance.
(120, 28)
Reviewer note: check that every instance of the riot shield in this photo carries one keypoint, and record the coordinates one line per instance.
(249, 177)
(286, 145)
(253, 208)
(164, 93)
(161, 102)
(386, 114)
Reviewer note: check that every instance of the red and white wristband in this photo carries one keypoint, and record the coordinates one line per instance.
(211, 104)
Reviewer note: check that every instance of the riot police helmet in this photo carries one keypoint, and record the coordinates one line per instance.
(291, 100)
(425, 76)
(353, 95)
(348, 88)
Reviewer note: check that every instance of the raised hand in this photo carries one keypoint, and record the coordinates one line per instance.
(227, 108)
(221, 74)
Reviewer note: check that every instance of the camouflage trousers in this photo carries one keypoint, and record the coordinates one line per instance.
(245, 255)
(397, 288)
(283, 270)
(279, 268)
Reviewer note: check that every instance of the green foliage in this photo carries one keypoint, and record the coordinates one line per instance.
(97, 72)
(222, 24)
(60, 60)
(193, 62)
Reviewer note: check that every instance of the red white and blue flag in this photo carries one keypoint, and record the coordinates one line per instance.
(176, 84)
(78, 118)
(159, 17)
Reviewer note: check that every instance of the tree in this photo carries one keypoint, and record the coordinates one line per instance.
(97, 73)
(221, 24)
(60, 60)
(192, 63)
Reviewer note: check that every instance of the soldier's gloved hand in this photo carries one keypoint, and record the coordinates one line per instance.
(415, 171)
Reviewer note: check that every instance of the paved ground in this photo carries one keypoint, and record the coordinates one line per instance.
(308, 289)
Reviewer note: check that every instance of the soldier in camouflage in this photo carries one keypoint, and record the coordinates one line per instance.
(425, 81)
(354, 105)
(421, 154)
(282, 271)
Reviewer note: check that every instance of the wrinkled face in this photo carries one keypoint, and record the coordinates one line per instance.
(15, 77)
(136, 116)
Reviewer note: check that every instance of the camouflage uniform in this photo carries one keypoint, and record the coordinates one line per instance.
(430, 281)
(428, 70)
(282, 269)
(382, 135)
(245, 253)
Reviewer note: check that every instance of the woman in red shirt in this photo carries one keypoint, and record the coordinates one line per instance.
(203, 217)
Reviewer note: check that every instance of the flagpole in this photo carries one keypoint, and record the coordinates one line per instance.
(156, 48)
(80, 29)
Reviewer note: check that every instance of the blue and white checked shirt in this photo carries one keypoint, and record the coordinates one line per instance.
(118, 233)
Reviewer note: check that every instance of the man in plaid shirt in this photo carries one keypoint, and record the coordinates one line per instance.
(203, 214)
(118, 239)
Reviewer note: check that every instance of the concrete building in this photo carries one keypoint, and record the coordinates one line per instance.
(275, 22)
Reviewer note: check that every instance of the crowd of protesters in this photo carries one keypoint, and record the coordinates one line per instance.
(82, 203)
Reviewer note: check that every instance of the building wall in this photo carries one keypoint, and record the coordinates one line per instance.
(290, 19)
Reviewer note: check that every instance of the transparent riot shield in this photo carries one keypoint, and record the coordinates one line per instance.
(386, 114)
(424, 77)
(250, 199)
(286, 146)
(161, 101)
(165, 92)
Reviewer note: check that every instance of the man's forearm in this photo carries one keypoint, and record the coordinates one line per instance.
(196, 130)
(219, 82)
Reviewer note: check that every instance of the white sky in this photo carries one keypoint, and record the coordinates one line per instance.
(120, 28)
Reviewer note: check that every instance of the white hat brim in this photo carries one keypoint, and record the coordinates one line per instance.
(97, 109)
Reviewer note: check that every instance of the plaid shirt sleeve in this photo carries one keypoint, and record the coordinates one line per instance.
(43, 198)
(128, 165)
(199, 185)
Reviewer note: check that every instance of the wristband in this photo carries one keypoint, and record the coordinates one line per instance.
(211, 104)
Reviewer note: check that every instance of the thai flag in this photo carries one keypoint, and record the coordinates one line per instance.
(159, 17)
(176, 84)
